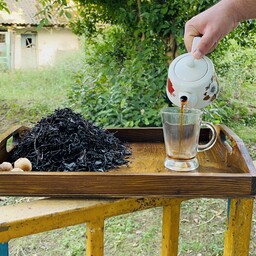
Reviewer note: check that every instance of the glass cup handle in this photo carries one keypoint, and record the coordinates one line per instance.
(213, 139)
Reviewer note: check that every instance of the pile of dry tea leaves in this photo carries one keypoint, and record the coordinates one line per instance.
(64, 141)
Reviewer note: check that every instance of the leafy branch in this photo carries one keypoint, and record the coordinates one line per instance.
(3, 6)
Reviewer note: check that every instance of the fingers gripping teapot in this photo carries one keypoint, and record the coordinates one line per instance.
(192, 80)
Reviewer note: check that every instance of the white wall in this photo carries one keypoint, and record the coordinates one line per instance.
(50, 42)
(16, 50)
(53, 41)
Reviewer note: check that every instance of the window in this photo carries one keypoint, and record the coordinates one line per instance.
(29, 42)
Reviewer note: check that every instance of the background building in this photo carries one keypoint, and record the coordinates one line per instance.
(23, 44)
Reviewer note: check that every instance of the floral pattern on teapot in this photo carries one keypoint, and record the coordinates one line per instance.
(170, 87)
(212, 90)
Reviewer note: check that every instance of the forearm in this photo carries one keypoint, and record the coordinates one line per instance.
(235, 10)
(243, 9)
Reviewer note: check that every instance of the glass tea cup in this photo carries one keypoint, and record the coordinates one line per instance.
(181, 128)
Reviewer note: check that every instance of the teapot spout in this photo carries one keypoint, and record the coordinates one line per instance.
(187, 99)
(184, 99)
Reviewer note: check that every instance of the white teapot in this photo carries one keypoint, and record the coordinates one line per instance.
(192, 81)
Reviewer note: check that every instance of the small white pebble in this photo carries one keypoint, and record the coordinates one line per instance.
(17, 170)
(5, 167)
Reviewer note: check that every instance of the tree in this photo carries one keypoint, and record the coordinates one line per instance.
(155, 19)
(122, 82)
(142, 19)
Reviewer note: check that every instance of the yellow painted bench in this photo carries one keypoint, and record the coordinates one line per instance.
(48, 214)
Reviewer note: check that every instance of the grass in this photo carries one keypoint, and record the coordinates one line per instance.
(30, 95)
(27, 97)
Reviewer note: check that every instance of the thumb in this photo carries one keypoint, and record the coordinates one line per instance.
(205, 45)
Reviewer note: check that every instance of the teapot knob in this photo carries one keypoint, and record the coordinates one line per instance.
(191, 61)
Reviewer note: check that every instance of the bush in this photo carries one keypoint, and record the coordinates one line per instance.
(236, 69)
(122, 81)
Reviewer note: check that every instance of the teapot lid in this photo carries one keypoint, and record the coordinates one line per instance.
(189, 69)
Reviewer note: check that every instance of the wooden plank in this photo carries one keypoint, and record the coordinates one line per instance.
(95, 237)
(48, 214)
(117, 185)
(15, 133)
(240, 156)
(237, 236)
(170, 228)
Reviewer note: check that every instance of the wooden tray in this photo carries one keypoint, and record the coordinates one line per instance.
(226, 170)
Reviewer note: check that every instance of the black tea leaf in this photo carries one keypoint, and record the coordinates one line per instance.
(64, 141)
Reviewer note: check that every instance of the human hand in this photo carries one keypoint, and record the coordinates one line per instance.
(212, 25)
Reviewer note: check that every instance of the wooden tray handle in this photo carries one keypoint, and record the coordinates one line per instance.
(9, 139)
(237, 153)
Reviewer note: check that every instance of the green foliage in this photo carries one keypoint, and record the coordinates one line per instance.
(236, 69)
(140, 19)
(3, 6)
(152, 19)
(54, 9)
(121, 83)
(158, 18)
(244, 34)
(32, 94)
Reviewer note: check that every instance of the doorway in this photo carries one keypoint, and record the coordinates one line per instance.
(28, 51)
